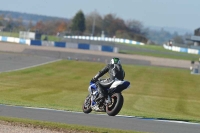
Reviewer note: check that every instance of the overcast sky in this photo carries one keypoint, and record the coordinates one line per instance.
(162, 13)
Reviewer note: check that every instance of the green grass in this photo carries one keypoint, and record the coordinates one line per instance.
(15, 34)
(11, 34)
(60, 126)
(155, 92)
(159, 51)
(51, 38)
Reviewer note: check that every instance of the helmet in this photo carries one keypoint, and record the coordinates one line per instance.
(115, 61)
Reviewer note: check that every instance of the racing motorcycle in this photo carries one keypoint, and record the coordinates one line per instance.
(113, 100)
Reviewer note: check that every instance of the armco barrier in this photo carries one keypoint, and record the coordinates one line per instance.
(36, 42)
(83, 46)
(15, 40)
(72, 45)
(4, 39)
(48, 43)
(22, 41)
(107, 48)
(179, 49)
(59, 44)
(96, 47)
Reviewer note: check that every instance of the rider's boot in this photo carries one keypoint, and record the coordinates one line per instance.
(101, 93)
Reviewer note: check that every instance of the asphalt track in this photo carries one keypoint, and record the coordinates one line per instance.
(16, 61)
(99, 120)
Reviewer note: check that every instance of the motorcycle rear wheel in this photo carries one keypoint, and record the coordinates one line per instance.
(87, 105)
(117, 103)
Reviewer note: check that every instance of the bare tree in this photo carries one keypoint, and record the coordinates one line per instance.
(134, 26)
(93, 23)
(111, 24)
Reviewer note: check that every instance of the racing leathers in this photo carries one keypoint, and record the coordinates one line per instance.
(115, 72)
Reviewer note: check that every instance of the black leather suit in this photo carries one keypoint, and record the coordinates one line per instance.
(115, 71)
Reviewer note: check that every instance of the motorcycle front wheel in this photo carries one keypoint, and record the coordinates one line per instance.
(87, 105)
(117, 103)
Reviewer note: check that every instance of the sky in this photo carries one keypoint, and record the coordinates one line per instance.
(182, 14)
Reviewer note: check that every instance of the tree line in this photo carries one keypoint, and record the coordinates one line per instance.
(92, 24)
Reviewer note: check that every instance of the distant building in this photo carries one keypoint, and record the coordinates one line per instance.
(196, 37)
(30, 35)
(197, 32)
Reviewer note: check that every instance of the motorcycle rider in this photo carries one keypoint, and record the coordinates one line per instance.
(114, 68)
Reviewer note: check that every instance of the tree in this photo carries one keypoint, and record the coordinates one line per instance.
(78, 22)
(30, 25)
(135, 26)
(61, 26)
(40, 27)
(111, 24)
(93, 24)
(178, 39)
(9, 25)
(19, 24)
(1, 20)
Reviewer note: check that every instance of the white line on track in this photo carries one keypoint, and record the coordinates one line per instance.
(31, 66)
(153, 119)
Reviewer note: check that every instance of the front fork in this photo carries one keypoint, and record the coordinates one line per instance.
(108, 100)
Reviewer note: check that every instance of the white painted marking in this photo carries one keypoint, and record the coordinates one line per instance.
(181, 122)
(31, 66)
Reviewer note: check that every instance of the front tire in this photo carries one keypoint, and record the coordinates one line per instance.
(87, 105)
(117, 103)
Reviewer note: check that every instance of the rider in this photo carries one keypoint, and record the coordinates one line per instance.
(114, 68)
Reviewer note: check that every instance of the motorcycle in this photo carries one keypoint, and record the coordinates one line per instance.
(113, 100)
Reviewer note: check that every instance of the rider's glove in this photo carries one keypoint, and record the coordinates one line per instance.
(94, 80)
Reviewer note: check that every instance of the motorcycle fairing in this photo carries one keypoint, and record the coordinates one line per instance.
(119, 86)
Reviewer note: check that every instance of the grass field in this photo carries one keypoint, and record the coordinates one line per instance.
(155, 92)
(159, 51)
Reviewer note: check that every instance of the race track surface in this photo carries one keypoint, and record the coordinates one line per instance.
(15, 61)
(97, 120)
(97, 56)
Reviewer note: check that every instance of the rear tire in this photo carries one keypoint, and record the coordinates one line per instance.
(117, 103)
(87, 105)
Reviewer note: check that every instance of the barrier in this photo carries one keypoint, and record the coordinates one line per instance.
(107, 48)
(72, 45)
(36, 42)
(4, 39)
(119, 40)
(180, 49)
(84, 46)
(60, 44)
(22, 41)
(95, 47)
(48, 43)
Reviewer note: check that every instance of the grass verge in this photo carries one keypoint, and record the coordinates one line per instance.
(59, 126)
